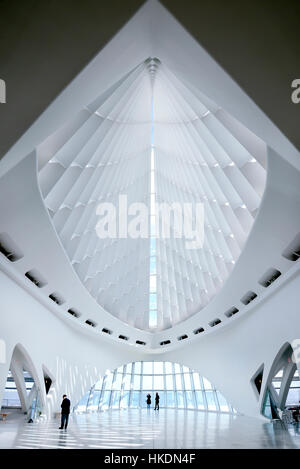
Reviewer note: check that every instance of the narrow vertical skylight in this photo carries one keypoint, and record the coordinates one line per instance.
(152, 277)
(173, 153)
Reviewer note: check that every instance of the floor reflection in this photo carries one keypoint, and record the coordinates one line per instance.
(144, 429)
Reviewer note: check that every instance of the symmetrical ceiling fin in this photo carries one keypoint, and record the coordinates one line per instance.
(201, 156)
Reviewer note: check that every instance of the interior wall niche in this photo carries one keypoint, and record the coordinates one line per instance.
(9, 249)
(48, 383)
(292, 251)
(257, 379)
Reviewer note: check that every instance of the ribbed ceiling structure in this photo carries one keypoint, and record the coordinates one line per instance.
(151, 136)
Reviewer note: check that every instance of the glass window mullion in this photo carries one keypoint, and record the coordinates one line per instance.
(111, 390)
(122, 392)
(165, 384)
(131, 384)
(102, 391)
(89, 398)
(175, 386)
(141, 384)
(217, 401)
(203, 393)
(183, 387)
(193, 389)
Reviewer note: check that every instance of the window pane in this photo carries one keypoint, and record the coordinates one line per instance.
(190, 402)
(207, 384)
(169, 382)
(94, 400)
(98, 385)
(187, 381)
(81, 405)
(178, 382)
(129, 368)
(137, 368)
(147, 382)
(180, 399)
(137, 382)
(153, 301)
(170, 399)
(293, 397)
(153, 318)
(177, 368)
(158, 368)
(153, 226)
(108, 381)
(162, 400)
(126, 382)
(152, 246)
(117, 382)
(147, 368)
(211, 404)
(168, 367)
(197, 382)
(158, 382)
(115, 402)
(104, 403)
(135, 399)
(200, 400)
(152, 265)
(124, 400)
(153, 283)
(222, 402)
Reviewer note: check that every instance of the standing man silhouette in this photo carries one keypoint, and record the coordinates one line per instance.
(156, 401)
(65, 412)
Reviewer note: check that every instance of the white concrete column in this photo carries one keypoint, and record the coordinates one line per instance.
(18, 375)
(6, 353)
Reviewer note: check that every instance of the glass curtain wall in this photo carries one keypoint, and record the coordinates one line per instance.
(293, 396)
(11, 396)
(177, 385)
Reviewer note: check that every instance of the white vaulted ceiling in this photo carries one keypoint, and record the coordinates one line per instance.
(202, 154)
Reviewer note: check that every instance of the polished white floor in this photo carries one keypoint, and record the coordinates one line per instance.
(143, 429)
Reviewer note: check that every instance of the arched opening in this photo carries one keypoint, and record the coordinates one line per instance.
(22, 392)
(282, 395)
(178, 386)
(11, 398)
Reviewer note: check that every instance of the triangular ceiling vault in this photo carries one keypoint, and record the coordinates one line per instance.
(106, 151)
(152, 89)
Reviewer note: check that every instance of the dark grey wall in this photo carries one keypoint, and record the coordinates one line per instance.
(45, 43)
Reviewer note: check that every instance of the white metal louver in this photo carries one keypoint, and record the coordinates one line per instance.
(201, 155)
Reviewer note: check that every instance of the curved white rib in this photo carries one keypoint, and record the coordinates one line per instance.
(201, 154)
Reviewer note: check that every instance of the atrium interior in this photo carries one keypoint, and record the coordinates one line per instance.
(149, 247)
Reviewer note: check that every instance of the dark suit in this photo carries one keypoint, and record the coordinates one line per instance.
(65, 412)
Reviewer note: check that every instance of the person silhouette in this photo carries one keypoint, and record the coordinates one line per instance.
(65, 412)
(156, 401)
(148, 401)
